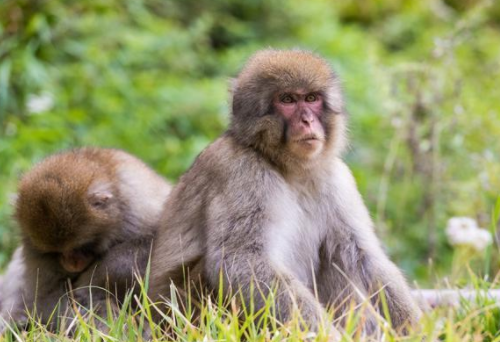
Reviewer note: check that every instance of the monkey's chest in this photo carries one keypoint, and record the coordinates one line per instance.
(294, 238)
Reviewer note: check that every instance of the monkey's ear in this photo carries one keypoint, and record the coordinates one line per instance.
(100, 195)
(100, 199)
(233, 83)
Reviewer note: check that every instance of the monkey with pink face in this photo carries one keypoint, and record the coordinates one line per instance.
(271, 204)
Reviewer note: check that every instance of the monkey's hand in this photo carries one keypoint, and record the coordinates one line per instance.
(113, 275)
(93, 303)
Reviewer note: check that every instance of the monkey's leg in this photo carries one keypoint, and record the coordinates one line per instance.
(383, 276)
(340, 288)
(257, 280)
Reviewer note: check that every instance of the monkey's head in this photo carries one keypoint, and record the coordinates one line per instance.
(67, 207)
(288, 105)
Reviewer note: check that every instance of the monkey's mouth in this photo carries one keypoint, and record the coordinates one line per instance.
(310, 138)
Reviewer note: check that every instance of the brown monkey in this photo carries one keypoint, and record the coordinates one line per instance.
(271, 202)
(87, 217)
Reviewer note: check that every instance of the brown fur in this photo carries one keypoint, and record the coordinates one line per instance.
(103, 203)
(53, 199)
(262, 216)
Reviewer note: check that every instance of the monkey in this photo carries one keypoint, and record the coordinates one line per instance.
(271, 203)
(11, 285)
(87, 217)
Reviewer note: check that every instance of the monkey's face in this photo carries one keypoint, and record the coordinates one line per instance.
(303, 129)
(76, 260)
(288, 105)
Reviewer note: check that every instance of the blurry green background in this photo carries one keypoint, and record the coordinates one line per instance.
(422, 81)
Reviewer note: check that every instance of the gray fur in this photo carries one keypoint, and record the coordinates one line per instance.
(264, 218)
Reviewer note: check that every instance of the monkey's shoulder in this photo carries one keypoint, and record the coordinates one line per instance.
(227, 160)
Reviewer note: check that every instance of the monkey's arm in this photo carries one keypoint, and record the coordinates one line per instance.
(376, 271)
(114, 274)
(44, 286)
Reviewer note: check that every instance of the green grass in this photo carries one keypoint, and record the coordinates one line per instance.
(222, 319)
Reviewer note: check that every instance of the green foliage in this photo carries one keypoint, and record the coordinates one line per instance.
(151, 77)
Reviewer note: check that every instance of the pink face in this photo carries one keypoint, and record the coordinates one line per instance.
(302, 111)
(75, 261)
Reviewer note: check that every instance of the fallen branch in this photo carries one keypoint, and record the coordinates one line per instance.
(434, 298)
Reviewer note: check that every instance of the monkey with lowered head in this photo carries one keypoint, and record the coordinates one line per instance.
(271, 203)
(87, 217)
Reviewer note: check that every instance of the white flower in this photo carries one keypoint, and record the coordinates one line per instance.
(463, 231)
(483, 239)
(40, 103)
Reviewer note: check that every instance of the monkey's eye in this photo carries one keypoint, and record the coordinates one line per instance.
(311, 98)
(287, 98)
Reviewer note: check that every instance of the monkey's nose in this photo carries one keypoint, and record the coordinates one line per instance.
(307, 118)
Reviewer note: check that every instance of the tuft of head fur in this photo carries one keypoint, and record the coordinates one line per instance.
(270, 72)
(54, 205)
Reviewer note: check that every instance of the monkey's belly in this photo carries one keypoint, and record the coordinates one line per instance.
(295, 253)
